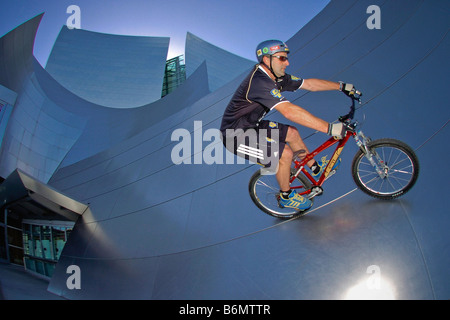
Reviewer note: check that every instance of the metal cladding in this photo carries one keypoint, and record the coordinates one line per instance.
(160, 230)
(39, 132)
(109, 70)
(222, 66)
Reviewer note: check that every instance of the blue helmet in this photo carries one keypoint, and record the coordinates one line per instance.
(270, 47)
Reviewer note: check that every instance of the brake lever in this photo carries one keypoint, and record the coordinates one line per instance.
(356, 95)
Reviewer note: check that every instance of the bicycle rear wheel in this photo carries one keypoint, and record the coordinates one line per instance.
(399, 164)
(265, 193)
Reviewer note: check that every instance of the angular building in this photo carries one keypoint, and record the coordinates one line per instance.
(96, 187)
(109, 70)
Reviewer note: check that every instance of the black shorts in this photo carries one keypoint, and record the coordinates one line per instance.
(262, 145)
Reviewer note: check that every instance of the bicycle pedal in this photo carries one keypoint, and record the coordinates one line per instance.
(278, 197)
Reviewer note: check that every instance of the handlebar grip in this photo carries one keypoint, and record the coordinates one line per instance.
(356, 95)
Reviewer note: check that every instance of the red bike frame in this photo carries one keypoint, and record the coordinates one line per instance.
(300, 165)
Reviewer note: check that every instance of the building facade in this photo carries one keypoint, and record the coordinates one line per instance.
(145, 227)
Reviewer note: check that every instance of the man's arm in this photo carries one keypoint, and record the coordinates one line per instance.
(319, 85)
(299, 115)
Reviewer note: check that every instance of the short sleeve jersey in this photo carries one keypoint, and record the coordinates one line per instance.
(256, 95)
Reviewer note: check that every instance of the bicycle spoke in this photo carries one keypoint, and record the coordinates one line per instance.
(400, 171)
(265, 193)
(262, 183)
(399, 178)
(398, 167)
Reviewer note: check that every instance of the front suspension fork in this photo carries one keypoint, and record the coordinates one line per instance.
(374, 159)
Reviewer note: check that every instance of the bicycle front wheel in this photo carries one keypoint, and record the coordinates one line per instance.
(265, 193)
(398, 163)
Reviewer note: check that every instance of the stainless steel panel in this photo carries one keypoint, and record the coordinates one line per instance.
(156, 230)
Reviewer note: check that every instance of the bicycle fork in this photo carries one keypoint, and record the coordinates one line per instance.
(377, 163)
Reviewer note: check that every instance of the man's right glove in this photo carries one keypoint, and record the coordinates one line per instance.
(336, 130)
(348, 89)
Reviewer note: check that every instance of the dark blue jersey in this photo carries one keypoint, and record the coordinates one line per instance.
(256, 95)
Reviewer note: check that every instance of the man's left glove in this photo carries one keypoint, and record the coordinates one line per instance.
(336, 130)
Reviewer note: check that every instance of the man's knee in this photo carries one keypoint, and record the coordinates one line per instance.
(287, 154)
(292, 134)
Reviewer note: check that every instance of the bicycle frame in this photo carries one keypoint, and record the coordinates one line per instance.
(361, 141)
(300, 165)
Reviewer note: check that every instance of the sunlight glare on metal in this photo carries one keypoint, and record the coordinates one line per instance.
(365, 290)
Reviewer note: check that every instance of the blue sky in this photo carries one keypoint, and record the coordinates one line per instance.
(234, 25)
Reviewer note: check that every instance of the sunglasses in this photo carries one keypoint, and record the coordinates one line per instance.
(281, 58)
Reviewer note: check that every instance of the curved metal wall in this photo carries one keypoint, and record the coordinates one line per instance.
(156, 230)
(109, 70)
(191, 232)
(39, 133)
(110, 126)
(51, 127)
(222, 65)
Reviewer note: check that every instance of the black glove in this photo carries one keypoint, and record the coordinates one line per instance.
(336, 130)
(349, 89)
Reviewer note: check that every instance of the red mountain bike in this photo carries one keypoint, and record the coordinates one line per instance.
(385, 169)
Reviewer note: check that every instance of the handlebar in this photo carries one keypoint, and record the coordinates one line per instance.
(354, 96)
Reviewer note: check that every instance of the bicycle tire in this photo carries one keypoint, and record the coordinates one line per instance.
(402, 169)
(264, 192)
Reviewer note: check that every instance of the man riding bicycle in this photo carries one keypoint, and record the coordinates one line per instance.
(259, 93)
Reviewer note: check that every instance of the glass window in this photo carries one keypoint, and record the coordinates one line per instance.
(30, 264)
(39, 266)
(174, 76)
(27, 239)
(46, 240)
(43, 244)
(15, 255)
(15, 237)
(36, 238)
(59, 240)
(49, 268)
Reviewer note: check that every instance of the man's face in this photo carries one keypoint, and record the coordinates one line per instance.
(278, 66)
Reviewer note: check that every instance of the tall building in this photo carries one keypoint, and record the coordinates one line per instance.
(174, 75)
